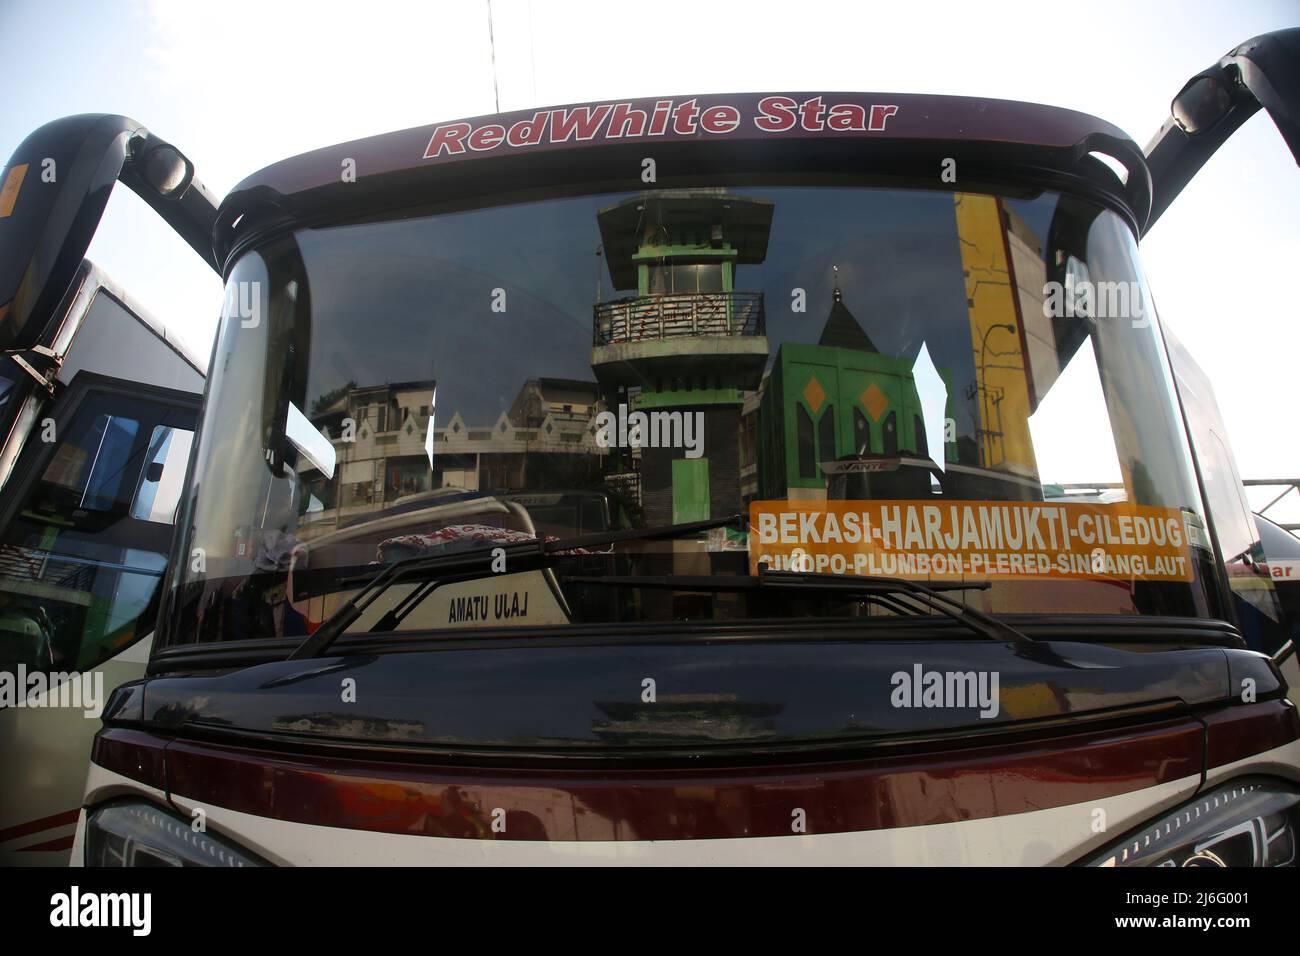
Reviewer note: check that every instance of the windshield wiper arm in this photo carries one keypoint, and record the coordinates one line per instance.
(931, 595)
(477, 563)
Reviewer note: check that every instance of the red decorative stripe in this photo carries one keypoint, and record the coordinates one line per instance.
(1240, 732)
(36, 826)
(62, 843)
(902, 791)
(131, 753)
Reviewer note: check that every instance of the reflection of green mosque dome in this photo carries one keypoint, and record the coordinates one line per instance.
(837, 400)
(842, 329)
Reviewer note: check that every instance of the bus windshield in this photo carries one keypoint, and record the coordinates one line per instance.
(932, 385)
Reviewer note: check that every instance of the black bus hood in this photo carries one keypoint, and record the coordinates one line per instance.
(695, 697)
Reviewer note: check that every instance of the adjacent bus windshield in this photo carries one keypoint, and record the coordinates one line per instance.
(938, 386)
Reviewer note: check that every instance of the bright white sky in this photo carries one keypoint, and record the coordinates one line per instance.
(239, 84)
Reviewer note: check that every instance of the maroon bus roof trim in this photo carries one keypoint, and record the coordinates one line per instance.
(739, 116)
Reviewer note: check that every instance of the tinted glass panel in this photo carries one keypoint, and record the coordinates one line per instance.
(926, 314)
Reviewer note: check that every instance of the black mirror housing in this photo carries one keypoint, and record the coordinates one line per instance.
(53, 193)
(62, 175)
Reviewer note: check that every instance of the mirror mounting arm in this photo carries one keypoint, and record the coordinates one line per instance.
(1263, 72)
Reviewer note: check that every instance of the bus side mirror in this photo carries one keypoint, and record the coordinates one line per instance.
(55, 188)
(52, 196)
(1263, 72)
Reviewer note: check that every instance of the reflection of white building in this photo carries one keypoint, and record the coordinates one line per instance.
(562, 399)
(546, 439)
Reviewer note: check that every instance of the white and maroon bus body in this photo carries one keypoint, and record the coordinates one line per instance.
(539, 747)
(1094, 742)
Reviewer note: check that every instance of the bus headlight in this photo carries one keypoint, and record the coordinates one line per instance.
(135, 833)
(1247, 822)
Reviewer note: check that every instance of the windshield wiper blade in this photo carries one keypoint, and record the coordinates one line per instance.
(931, 594)
(879, 587)
(477, 563)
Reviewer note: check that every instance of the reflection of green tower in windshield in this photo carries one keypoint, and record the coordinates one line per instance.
(834, 407)
(687, 343)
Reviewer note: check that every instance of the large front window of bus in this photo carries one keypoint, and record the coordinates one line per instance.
(920, 384)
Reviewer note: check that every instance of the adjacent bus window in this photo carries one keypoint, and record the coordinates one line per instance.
(80, 561)
(87, 472)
